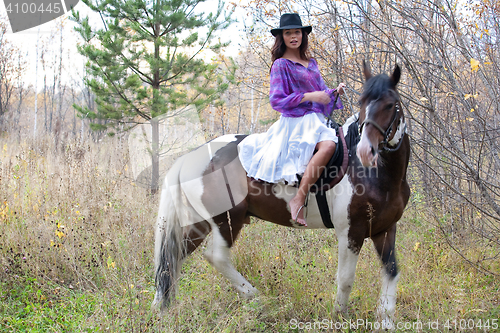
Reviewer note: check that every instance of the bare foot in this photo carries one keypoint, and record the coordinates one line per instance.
(297, 211)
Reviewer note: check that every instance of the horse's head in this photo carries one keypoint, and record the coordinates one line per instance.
(380, 115)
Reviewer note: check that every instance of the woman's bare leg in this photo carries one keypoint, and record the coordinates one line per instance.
(325, 150)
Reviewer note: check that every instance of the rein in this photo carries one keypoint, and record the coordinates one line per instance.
(386, 133)
(331, 122)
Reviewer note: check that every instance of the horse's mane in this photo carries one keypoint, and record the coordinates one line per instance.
(376, 86)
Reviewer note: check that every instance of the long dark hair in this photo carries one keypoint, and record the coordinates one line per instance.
(279, 47)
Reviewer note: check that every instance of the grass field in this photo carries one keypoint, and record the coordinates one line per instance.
(76, 255)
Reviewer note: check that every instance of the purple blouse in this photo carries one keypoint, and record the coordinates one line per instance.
(289, 82)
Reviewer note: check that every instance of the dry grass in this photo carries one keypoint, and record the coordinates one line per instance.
(76, 250)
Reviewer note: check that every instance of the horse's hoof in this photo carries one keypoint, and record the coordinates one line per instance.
(247, 291)
(386, 324)
(251, 293)
(340, 308)
(385, 317)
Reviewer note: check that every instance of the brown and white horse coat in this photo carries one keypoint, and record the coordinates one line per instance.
(207, 191)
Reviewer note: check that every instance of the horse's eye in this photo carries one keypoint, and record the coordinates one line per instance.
(390, 106)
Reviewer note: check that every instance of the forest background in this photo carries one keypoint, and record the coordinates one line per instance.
(77, 213)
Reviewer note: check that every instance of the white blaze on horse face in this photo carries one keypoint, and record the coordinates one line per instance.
(364, 150)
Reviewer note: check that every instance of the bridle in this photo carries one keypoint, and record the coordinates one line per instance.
(386, 133)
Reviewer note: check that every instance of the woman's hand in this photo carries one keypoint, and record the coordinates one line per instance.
(340, 88)
(321, 97)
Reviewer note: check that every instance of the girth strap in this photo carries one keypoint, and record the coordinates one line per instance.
(324, 210)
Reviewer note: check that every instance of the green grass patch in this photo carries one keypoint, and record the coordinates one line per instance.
(76, 255)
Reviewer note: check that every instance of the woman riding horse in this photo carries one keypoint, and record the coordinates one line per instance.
(300, 94)
(208, 191)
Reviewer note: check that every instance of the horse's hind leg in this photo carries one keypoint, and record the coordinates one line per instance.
(385, 246)
(228, 225)
(193, 236)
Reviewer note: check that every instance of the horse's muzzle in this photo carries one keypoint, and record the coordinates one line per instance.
(367, 154)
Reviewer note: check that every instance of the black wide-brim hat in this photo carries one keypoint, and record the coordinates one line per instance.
(290, 21)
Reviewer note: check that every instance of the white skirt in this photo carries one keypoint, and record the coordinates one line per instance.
(285, 149)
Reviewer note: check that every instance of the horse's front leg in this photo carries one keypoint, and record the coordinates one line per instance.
(348, 258)
(385, 246)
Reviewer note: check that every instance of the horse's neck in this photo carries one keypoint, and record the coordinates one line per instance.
(397, 161)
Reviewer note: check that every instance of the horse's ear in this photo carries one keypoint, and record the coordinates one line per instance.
(396, 75)
(366, 70)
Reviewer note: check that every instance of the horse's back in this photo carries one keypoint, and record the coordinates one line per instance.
(210, 177)
(195, 163)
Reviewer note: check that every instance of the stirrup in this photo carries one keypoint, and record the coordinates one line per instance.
(297, 216)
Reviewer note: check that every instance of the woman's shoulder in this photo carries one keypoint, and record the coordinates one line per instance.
(284, 63)
(281, 64)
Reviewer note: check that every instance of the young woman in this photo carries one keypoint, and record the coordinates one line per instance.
(299, 93)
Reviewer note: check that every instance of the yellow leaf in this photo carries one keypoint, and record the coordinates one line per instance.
(467, 96)
(52, 243)
(111, 263)
(417, 245)
(474, 64)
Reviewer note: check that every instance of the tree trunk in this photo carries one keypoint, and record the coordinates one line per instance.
(155, 156)
(155, 135)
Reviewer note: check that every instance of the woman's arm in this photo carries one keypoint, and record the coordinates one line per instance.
(283, 96)
(321, 97)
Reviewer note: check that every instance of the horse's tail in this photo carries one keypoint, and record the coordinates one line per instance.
(169, 245)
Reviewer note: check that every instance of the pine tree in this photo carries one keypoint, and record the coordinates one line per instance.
(146, 62)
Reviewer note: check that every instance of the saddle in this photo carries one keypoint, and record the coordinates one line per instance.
(336, 168)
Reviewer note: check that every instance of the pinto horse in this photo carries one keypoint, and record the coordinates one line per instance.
(207, 190)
